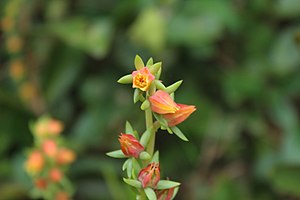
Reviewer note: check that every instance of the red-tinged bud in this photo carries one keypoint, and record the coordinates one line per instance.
(62, 196)
(166, 194)
(41, 183)
(55, 175)
(130, 146)
(180, 115)
(162, 103)
(50, 148)
(55, 127)
(35, 162)
(65, 156)
(150, 175)
(142, 79)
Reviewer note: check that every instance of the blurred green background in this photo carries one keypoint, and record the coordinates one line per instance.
(240, 62)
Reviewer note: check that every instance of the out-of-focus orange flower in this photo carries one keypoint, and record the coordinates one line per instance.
(166, 194)
(27, 91)
(41, 183)
(7, 23)
(130, 146)
(65, 156)
(162, 103)
(180, 115)
(55, 127)
(55, 175)
(16, 69)
(142, 79)
(46, 127)
(14, 44)
(50, 148)
(62, 196)
(150, 175)
(35, 162)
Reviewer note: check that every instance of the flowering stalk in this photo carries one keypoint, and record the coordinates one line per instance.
(142, 164)
(48, 161)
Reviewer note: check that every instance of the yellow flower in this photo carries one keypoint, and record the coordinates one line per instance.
(142, 79)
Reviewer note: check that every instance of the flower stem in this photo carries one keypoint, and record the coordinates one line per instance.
(149, 124)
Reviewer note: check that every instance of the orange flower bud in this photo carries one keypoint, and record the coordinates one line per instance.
(62, 196)
(65, 156)
(166, 194)
(150, 175)
(55, 175)
(180, 115)
(50, 148)
(142, 79)
(41, 183)
(162, 103)
(35, 162)
(130, 146)
(55, 127)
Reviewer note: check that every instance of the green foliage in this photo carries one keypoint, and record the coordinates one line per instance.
(240, 62)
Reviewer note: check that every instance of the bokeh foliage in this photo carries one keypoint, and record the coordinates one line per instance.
(240, 62)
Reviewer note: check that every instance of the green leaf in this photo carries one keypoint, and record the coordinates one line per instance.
(155, 157)
(157, 75)
(150, 193)
(138, 62)
(178, 132)
(116, 154)
(159, 85)
(163, 122)
(129, 168)
(124, 166)
(149, 62)
(146, 136)
(154, 68)
(136, 95)
(127, 79)
(132, 182)
(175, 192)
(136, 168)
(128, 128)
(166, 184)
(144, 155)
(172, 88)
(145, 105)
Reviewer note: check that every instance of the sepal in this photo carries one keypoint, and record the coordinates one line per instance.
(138, 62)
(166, 184)
(127, 79)
(172, 88)
(155, 68)
(178, 132)
(116, 154)
(150, 193)
(133, 183)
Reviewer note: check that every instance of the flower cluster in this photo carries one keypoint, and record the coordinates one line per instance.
(142, 164)
(48, 160)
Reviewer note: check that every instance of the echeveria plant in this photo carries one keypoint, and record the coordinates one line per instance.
(142, 164)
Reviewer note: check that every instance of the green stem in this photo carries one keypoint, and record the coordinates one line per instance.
(149, 124)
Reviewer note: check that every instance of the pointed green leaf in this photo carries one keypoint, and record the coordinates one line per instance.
(166, 184)
(128, 128)
(144, 155)
(155, 68)
(163, 122)
(124, 166)
(132, 182)
(129, 168)
(159, 85)
(178, 132)
(136, 168)
(146, 136)
(175, 192)
(150, 193)
(157, 75)
(155, 157)
(116, 154)
(145, 105)
(136, 95)
(172, 88)
(127, 79)
(138, 62)
(136, 134)
(172, 95)
(150, 62)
